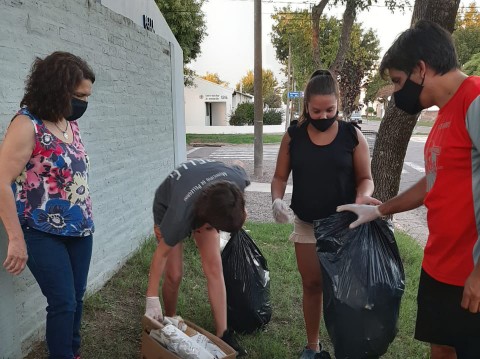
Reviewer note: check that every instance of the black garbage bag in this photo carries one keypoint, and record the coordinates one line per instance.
(363, 283)
(247, 281)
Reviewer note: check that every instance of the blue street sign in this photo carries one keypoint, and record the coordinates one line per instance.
(295, 94)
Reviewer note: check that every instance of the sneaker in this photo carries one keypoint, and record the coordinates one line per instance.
(307, 353)
(229, 338)
(323, 355)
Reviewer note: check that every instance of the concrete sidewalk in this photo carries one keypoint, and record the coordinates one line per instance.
(264, 187)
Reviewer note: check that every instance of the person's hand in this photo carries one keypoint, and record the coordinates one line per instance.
(471, 292)
(16, 256)
(365, 213)
(153, 309)
(280, 211)
(362, 199)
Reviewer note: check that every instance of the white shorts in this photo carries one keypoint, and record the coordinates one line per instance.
(302, 232)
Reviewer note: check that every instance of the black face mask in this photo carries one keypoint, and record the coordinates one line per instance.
(408, 97)
(322, 124)
(78, 109)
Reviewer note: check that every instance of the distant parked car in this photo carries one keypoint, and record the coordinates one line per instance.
(356, 117)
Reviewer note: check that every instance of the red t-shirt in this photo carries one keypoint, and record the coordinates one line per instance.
(452, 166)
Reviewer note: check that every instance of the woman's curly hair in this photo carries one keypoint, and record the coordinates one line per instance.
(51, 84)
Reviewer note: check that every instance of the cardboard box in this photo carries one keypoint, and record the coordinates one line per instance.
(151, 349)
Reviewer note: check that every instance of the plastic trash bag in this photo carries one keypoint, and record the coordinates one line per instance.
(247, 281)
(363, 283)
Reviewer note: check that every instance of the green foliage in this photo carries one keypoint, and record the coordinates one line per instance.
(358, 63)
(294, 27)
(188, 76)
(235, 139)
(370, 110)
(243, 115)
(472, 67)
(392, 5)
(187, 22)
(374, 83)
(270, 95)
(467, 34)
(272, 117)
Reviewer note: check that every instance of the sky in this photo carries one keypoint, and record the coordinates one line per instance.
(228, 48)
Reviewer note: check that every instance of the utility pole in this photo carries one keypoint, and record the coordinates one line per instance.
(292, 105)
(287, 111)
(257, 91)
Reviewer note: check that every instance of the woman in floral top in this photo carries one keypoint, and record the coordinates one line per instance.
(44, 197)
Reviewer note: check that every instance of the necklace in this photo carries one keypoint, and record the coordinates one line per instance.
(64, 132)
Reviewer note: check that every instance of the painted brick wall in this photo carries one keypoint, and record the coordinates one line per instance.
(127, 129)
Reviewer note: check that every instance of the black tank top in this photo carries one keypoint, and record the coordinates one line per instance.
(323, 176)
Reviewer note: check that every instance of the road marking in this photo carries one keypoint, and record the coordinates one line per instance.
(419, 139)
(415, 167)
(193, 150)
(269, 153)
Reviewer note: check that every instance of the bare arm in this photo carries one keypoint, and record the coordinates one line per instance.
(407, 200)
(15, 153)
(207, 239)
(157, 265)
(282, 169)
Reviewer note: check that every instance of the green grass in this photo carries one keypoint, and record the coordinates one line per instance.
(231, 139)
(372, 118)
(111, 325)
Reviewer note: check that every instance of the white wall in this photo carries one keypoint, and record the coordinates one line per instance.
(128, 131)
(239, 98)
(219, 114)
(134, 10)
(205, 91)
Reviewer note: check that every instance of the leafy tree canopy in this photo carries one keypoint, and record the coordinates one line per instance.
(187, 22)
(472, 67)
(213, 77)
(294, 27)
(467, 33)
(270, 95)
(373, 85)
(365, 4)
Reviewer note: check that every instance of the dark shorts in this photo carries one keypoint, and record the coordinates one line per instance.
(441, 320)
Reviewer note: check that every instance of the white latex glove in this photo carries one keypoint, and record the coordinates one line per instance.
(365, 213)
(280, 211)
(153, 309)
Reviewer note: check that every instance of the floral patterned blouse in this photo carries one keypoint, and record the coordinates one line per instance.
(52, 192)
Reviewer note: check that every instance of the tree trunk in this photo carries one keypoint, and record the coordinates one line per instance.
(397, 126)
(442, 12)
(317, 11)
(387, 161)
(347, 25)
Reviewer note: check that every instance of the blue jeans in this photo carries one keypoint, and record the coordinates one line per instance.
(60, 265)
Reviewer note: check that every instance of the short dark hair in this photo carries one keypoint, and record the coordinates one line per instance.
(425, 41)
(222, 205)
(322, 82)
(51, 84)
